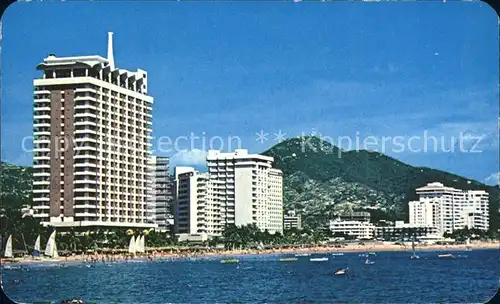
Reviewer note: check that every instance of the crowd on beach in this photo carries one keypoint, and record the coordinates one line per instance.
(153, 254)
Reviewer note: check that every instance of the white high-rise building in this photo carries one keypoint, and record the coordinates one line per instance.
(449, 209)
(92, 133)
(161, 190)
(196, 210)
(249, 189)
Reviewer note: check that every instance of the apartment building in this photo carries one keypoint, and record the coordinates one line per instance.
(197, 212)
(249, 189)
(92, 132)
(449, 209)
(292, 220)
(160, 188)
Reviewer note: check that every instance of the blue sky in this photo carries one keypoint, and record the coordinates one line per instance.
(234, 69)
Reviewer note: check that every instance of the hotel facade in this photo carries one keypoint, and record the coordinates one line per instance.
(161, 193)
(92, 133)
(449, 209)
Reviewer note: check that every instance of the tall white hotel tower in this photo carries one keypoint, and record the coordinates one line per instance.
(239, 188)
(92, 133)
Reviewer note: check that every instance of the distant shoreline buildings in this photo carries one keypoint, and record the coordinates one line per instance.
(438, 210)
(449, 209)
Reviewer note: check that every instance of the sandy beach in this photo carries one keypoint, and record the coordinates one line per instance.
(172, 253)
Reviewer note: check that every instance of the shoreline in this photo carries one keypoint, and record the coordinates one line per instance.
(154, 255)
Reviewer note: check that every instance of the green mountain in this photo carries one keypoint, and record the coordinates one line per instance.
(321, 180)
(15, 185)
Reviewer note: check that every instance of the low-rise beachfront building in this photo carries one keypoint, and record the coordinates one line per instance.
(356, 229)
(355, 216)
(404, 231)
(292, 220)
(449, 209)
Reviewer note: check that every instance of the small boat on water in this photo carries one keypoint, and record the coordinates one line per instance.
(337, 253)
(302, 254)
(368, 262)
(288, 259)
(51, 248)
(318, 259)
(233, 261)
(414, 256)
(341, 271)
(446, 256)
(73, 301)
(467, 245)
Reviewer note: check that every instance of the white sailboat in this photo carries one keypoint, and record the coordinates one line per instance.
(143, 244)
(36, 250)
(414, 256)
(140, 244)
(132, 246)
(51, 248)
(467, 245)
(137, 244)
(8, 248)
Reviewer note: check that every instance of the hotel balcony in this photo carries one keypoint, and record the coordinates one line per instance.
(91, 90)
(42, 107)
(81, 122)
(41, 124)
(36, 91)
(41, 190)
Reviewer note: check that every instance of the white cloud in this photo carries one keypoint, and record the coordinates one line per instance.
(189, 157)
(493, 179)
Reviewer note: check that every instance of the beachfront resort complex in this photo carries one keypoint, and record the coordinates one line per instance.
(438, 210)
(93, 167)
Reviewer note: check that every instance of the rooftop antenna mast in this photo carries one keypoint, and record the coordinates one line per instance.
(111, 59)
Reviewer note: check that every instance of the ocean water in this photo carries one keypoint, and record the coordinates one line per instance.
(472, 277)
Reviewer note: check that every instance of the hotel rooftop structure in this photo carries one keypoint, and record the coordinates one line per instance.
(92, 133)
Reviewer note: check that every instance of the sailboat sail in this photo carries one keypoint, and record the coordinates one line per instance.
(131, 246)
(138, 247)
(143, 244)
(51, 249)
(8, 247)
(54, 253)
(415, 255)
(140, 244)
(36, 250)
